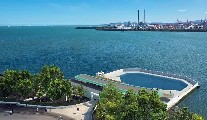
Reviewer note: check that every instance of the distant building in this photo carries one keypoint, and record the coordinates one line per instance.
(179, 25)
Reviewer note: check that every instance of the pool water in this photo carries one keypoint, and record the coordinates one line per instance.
(151, 81)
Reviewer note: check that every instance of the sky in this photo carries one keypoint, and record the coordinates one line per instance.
(95, 12)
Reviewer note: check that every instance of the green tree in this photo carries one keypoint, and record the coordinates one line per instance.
(130, 106)
(143, 105)
(197, 117)
(185, 114)
(109, 104)
(2, 87)
(134, 106)
(80, 91)
(74, 90)
(49, 73)
(150, 106)
(24, 88)
(10, 78)
(37, 82)
(69, 89)
(25, 75)
(40, 92)
(58, 89)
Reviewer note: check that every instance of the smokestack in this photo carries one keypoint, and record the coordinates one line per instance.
(144, 15)
(138, 20)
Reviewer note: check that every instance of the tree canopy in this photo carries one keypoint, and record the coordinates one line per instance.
(185, 114)
(58, 89)
(10, 79)
(113, 105)
(49, 82)
(24, 88)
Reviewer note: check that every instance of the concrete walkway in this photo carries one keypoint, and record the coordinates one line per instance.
(84, 112)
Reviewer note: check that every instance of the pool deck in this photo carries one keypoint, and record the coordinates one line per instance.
(175, 96)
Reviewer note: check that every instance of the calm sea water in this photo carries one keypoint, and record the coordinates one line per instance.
(90, 51)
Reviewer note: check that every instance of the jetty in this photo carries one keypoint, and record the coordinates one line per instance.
(87, 27)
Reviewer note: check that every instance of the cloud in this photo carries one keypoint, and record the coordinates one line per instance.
(182, 10)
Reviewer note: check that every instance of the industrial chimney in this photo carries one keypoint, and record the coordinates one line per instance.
(138, 20)
(144, 15)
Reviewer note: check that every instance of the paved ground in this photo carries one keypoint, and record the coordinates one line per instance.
(23, 113)
(84, 112)
(19, 116)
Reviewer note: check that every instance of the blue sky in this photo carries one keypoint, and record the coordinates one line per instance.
(83, 12)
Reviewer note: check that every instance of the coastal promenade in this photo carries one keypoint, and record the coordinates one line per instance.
(82, 111)
(23, 113)
(18, 116)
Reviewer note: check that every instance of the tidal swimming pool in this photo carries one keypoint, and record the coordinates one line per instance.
(151, 81)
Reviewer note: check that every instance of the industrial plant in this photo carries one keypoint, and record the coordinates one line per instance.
(187, 26)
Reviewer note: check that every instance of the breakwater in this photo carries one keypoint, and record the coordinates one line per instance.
(87, 27)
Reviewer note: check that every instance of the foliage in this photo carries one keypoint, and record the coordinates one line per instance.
(37, 85)
(49, 73)
(80, 91)
(144, 105)
(150, 105)
(2, 86)
(40, 92)
(58, 88)
(109, 104)
(10, 79)
(49, 82)
(130, 107)
(185, 114)
(24, 87)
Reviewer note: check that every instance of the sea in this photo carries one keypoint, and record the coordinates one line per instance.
(87, 51)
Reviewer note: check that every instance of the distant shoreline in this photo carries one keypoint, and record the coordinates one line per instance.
(135, 29)
(157, 30)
